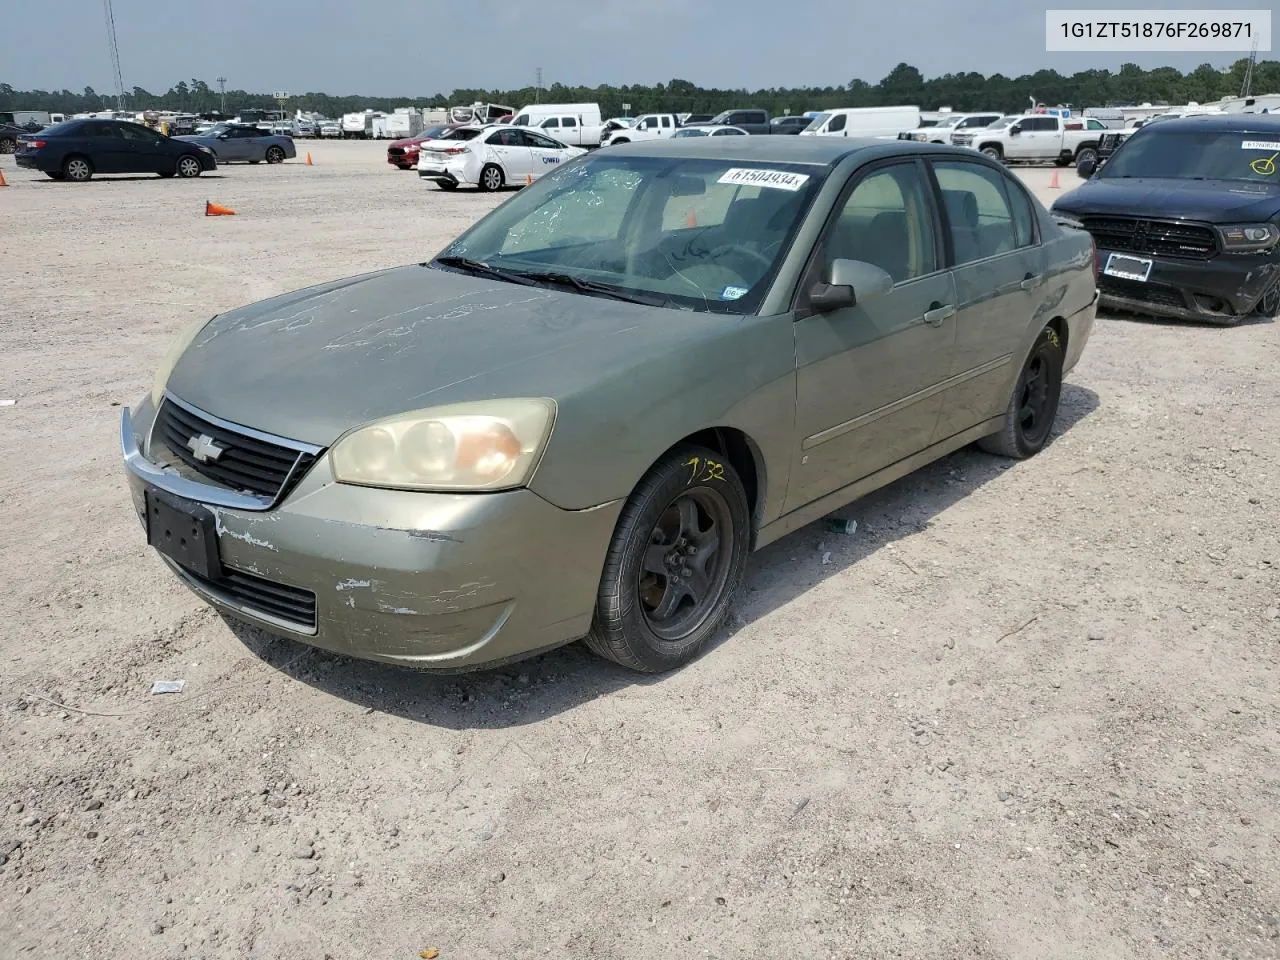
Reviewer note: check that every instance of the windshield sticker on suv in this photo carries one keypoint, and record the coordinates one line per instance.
(778, 179)
(1260, 145)
(1265, 166)
(733, 293)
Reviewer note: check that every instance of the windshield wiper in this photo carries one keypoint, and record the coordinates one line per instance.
(485, 269)
(590, 286)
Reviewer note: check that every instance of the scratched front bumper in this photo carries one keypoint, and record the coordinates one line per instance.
(443, 581)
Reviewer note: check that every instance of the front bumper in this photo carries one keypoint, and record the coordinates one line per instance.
(434, 581)
(1223, 290)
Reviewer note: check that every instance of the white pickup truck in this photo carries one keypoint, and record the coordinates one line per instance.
(573, 124)
(648, 126)
(1036, 137)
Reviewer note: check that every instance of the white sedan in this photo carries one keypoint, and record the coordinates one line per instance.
(709, 130)
(496, 156)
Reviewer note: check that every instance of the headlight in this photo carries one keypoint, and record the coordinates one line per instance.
(176, 350)
(486, 445)
(206, 150)
(1248, 237)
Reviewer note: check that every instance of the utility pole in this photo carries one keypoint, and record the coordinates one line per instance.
(115, 53)
(537, 90)
(222, 93)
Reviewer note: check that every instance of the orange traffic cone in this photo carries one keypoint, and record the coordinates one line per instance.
(309, 163)
(214, 210)
(692, 219)
(2, 183)
(1053, 183)
(528, 179)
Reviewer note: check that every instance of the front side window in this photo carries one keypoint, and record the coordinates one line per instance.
(837, 123)
(698, 234)
(887, 221)
(546, 143)
(138, 134)
(979, 218)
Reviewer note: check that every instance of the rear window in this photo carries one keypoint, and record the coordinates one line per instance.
(66, 128)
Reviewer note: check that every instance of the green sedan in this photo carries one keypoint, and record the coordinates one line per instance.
(578, 419)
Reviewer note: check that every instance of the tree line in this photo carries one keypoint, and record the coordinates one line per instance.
(903, 85)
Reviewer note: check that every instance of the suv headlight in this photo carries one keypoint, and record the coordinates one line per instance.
(485, 445)
(1248, 237)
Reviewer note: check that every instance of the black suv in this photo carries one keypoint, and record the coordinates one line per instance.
(1186, 218)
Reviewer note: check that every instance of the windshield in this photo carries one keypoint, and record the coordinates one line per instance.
(721, 117)
(948, 122)
(699, 234)
(1196, 155)
(818, 121)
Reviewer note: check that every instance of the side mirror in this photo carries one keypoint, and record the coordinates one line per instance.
(1086, 168)
(224, 136)
(849, 282)
(1015, 129)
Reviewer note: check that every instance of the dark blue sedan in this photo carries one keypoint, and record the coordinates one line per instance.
(78, 149)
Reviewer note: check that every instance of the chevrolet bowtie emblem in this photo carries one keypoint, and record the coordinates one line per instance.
(204, 449)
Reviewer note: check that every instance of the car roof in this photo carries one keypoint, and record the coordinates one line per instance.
(1223, 122)
(824, 151)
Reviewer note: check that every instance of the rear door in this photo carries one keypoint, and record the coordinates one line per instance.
(509, 149)
(999, 267)
(869, 377)
(108, 151)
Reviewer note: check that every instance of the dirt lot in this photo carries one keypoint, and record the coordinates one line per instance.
(1026, 710)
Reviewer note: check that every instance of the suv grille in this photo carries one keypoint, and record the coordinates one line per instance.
(246, 462)
(1157, 237)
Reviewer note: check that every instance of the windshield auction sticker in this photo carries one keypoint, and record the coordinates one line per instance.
(777, 179)
(1268, 145)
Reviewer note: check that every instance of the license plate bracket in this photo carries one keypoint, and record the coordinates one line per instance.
(184, 532)
(1128, 268)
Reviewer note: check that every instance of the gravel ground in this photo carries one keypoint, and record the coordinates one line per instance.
(1025, 710)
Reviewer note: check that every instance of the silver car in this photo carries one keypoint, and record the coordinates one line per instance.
(233, 141)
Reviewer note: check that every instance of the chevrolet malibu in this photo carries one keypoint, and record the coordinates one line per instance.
(579, 417)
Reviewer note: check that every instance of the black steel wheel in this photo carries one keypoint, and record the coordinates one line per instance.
(675, 563)
(1269, 305)
(1033, 405)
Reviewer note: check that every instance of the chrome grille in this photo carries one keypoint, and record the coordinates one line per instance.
(247, 461)
(1156, 237)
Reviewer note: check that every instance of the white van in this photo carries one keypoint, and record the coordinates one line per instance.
(575, 124)
(863, 122)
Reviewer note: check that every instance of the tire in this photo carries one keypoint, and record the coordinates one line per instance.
(1033, 405)
(1087, 153)
(1062, 162)
(646, 617)
(446, 185)
(994, 152)
(1269, 305)
(491, 178)
(77, 169)
(8, 145)
(189, 166)
(274, 155)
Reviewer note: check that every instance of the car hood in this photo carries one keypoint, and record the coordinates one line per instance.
(312, 364)
(1210, 201)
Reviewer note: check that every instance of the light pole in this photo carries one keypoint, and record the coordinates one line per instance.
(222, 93)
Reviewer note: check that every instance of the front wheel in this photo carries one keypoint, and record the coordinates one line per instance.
(995, 153)
(275, 155)
(77, 169)
(1033, 406)
(189, 166)
(675, 563)
(491, 178)
(1086, 153)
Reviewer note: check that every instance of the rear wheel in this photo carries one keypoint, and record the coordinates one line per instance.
(275, 155)
(1087, 153)
(1033, 406)
(8, 145)
(491, 178)
(78, 169)
(189, 166)
(1062, 162)
(675, 563)
(994, 152)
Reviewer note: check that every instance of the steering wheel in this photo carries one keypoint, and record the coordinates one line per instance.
(755, 255)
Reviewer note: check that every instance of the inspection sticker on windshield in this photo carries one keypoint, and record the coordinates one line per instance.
(778, 179)
(733, 293)
(1260, 145)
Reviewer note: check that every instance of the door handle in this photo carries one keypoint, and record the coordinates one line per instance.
(935, 316)
(1029, 282)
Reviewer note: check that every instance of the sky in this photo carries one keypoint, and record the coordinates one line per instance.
(416, 49)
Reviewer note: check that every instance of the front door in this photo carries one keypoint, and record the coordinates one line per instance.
(544, 152)
(148, 151)
(108, 149)
(869, 377)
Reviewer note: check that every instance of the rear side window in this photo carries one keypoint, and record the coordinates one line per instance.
(569, 122)
(837, 123)
(97, 129)
(978, 214)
